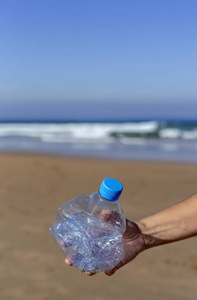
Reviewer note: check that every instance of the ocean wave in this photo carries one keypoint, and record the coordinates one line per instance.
(127, 133)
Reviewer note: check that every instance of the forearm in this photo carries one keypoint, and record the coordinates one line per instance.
(172, 224)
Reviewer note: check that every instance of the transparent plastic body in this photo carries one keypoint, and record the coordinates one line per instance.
(89, 230)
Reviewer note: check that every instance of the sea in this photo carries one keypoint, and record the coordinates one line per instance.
(147, 140)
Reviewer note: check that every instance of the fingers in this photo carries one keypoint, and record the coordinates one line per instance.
(106, 215)
(89, 274)
(132, 231)
(68, 262)
(117, 267)
(108, 273)
(62, 243)
(111, 272)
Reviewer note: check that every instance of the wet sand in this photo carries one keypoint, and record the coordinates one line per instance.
(32, 187)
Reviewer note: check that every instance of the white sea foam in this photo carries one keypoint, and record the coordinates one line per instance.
(175, 133)
(189, 135)
(170, 133)
(127, 133)
(67, 131)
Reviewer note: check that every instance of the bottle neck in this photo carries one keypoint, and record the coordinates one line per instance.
(99, 200)
(106, 200)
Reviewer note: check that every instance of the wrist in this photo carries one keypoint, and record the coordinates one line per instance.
(152, 235)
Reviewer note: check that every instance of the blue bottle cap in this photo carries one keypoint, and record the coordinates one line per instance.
(111, 189)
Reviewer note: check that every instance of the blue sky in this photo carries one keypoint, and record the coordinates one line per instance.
(73, 59)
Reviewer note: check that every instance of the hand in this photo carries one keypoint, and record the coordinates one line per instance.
(134, 244)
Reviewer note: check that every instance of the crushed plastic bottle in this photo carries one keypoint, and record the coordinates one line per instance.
(89, 229)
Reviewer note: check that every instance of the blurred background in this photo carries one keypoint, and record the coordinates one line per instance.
(93, 89)
(109, 79)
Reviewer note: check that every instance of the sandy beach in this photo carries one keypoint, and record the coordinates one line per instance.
(32, 187)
